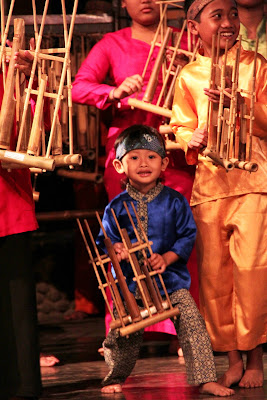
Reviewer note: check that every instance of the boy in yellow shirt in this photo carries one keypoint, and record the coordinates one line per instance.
(229, 208)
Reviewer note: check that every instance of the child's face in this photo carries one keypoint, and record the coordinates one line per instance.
(219, 16)
(143, 168)
(143, 12)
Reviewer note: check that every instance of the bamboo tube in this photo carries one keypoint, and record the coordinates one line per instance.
(246, 165)
(144, 314)
(227, 164)
(5, 33)
(134, 263)
(242, 133)
(82, 126)
(8, 102)
(169, 96)
(136, 326)
(224, 135)
(34, 141)
(220, 108)
(34, 64)
(252, 101)
(163, 16)
(52, 85)
(81, 175)
(149, 107)
(148, 244)
(168, 72)
(210, 104)
(117, 297)
(63, 75)
(68, 159)
(145, 292)
(68, 71)
(27, 160)
(93, 263)
(153, 80)
(128, 296)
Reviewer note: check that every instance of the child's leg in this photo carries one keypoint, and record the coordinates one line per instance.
(120, 355)
(253, 376)
(195, 343)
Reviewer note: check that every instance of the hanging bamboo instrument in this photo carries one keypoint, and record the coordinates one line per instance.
(163, 103)
(226, 146)
(131, 317)
(44, 153)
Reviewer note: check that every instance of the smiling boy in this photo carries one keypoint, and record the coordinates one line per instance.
(168, 222)
(229, 208)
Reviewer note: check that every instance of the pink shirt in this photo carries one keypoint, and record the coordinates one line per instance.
(110, 61)
(16, 202)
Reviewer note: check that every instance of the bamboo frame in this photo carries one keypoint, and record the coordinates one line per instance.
(34, 145)
(163, 104)
(154, 309)
(225, 146)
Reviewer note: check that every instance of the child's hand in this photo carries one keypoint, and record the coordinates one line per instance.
(157, 263)
(199, 139)
(130, 85)
(214, 95)
(180, 58)
(121, 252)
(23, 59)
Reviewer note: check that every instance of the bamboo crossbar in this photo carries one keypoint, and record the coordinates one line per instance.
(26, 160)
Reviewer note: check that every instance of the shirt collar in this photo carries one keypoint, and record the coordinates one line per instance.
(146, 198)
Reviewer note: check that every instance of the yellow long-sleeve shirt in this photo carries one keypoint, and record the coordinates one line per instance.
(190, 111)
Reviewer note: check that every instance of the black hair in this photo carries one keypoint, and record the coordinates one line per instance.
(135, 132)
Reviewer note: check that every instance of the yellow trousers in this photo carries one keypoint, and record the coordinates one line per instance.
(232, 262)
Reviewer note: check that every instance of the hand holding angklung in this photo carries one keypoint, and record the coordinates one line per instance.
(199, 139)
(130, 85)
(157, 263)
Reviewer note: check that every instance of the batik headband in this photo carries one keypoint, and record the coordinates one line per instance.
(196, 7)
(145, 141)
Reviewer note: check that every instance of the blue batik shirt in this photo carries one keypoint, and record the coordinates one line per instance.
(168, 222)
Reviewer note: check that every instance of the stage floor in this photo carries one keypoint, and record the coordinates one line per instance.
(158, 375)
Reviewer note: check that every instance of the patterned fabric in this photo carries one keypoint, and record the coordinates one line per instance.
(142, 204)
(121, 353)
(196, 7)
(143, 141)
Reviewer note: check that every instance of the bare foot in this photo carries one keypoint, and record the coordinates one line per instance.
(216, 389)
(253, 376)
(112, 389)
(101, 351)
(180, 352)
(48, 361)
(235, 371)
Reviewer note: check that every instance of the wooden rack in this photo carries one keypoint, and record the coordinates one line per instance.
(51, 68)
(131, 317)
(227, 146)
(172, 41)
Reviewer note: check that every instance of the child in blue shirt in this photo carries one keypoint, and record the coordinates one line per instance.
(168, 222)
